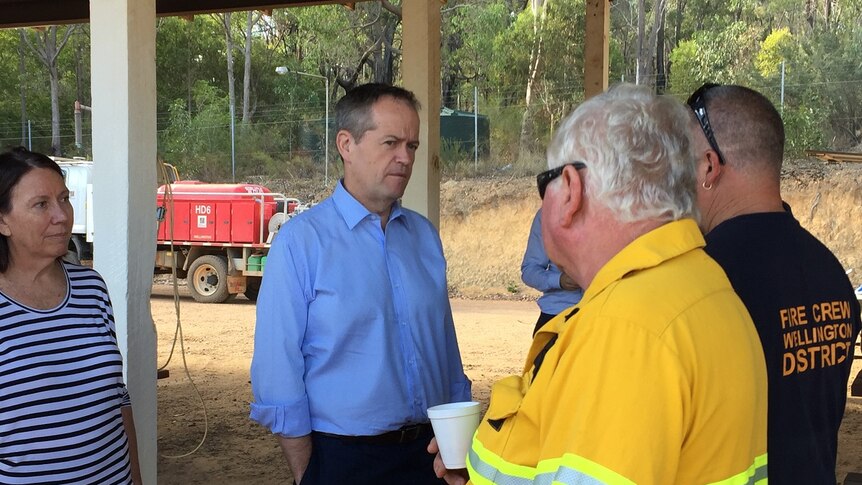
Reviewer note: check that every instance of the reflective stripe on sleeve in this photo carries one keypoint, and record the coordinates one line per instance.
(486, 468)
(754, 475)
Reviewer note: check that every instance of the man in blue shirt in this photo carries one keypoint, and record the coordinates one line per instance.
(559, 291)
(354, 337)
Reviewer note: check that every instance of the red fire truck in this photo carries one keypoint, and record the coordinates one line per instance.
(218, 235)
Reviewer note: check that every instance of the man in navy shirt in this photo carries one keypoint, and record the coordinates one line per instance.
(797, 292)
(354, 337)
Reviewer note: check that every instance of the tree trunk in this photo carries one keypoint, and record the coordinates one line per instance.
(231, 87)
(231, 84)
(190, 62)
(384, 60)
(525, 141)
(449, 93)
(56, 146)
(660, 68)
(656, 45)
(48, 50)
(54, 82)
(810, 12)
(246, 77)
(50, 43)
(22, 75)
(680, 10)
(640, 73)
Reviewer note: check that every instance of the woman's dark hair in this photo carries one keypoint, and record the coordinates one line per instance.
(14, 164)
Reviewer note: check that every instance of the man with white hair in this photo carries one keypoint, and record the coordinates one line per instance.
(656, 376)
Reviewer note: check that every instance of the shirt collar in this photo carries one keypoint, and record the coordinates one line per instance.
(752, 218)
(651, 249)
(352, 211)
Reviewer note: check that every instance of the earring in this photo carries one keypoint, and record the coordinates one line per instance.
(706, 187)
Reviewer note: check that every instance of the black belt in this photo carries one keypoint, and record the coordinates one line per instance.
(405, 434)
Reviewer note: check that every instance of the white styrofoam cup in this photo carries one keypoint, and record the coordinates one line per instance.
(454, 425)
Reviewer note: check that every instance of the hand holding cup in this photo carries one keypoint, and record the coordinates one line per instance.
(454, 425)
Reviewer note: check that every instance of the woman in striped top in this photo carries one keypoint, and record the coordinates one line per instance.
(65, 415)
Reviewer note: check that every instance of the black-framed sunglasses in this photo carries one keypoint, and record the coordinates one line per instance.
(697, 103)
(544, 178)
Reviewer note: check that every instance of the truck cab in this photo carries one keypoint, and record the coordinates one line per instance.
(78, 174)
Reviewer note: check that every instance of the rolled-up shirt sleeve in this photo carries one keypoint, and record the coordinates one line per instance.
(277, 368)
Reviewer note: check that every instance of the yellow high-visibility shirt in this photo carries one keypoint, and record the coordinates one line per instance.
(656, 377)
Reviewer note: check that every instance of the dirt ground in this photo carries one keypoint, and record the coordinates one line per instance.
(494, 314)
(493, 335)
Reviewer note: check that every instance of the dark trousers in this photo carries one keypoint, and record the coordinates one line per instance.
(336, 461)
(543, 319)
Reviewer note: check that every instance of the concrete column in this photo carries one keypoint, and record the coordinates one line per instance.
(123, 69)
(596, 47)
(421, 73)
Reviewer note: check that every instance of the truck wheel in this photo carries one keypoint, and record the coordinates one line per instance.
(252, 287)
(208, 279)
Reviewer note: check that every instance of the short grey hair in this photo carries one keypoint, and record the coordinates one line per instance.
(353, 110)
(638, 150)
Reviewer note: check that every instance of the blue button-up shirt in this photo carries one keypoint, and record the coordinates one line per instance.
(354, 332)
(537, 271)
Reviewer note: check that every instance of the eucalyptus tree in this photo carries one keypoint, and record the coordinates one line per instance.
(469, 30)
(816, 42)
(187, 50)
(350, 46)
(823, 76)
(537, 13)
(13, 94)
(538, 67)
(251, 19)
(230, 26)
(47, 43)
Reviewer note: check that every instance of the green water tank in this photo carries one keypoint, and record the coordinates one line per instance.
(254, 263)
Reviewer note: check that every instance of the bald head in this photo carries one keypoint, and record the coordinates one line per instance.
(747, 127)
(739, 138)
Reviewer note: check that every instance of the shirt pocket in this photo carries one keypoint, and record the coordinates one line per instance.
(506, 397)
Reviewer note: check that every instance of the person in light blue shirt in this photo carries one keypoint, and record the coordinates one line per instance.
(354, 337)
(537, 271)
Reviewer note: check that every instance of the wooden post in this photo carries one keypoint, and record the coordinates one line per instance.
(421, 73)
(596, 52)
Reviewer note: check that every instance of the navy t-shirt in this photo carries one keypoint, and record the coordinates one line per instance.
(807, 316)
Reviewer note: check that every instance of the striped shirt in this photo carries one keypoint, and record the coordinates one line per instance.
(61, 389)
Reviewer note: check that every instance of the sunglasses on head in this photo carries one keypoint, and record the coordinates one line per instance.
(544, 178)
(697, 103)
